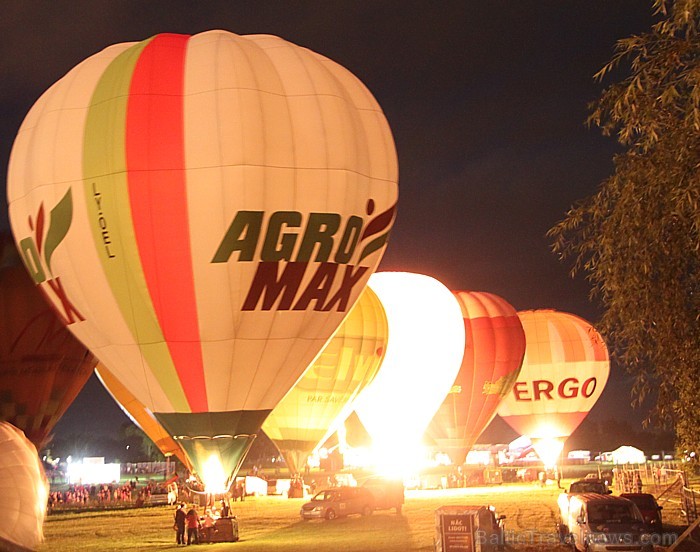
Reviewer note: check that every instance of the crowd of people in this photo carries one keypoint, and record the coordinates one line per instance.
(103, 494)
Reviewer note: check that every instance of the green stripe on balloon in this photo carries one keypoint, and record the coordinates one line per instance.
(105, 186)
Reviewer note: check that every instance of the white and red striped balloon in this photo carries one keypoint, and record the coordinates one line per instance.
(204, 211)
(564, 372)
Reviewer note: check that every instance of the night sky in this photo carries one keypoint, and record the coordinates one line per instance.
(487, 102)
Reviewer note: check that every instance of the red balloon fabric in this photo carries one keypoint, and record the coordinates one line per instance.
(493, 354)
(42, 366)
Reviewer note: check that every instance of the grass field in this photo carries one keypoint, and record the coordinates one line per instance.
(273, 524)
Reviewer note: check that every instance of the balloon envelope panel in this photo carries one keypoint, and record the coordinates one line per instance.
(23, 490)
(204, 211)
(493, 354)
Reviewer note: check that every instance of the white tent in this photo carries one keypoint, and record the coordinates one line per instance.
(628, 455)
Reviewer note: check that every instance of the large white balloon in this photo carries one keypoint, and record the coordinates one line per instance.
(204, 211)
(23, 490)
(423, 356)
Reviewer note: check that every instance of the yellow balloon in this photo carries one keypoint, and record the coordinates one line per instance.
(305, 417)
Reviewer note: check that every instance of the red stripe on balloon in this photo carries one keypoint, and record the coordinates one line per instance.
(155, 152)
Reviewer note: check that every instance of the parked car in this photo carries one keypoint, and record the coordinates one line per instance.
(388, 493)
(587, 485)
(649, 508)
(600, 522)
(590, 485)
(337, 502)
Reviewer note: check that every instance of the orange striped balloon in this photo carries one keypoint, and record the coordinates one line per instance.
(564, 372)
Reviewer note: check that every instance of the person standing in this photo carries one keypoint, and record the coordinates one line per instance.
(225, 509)
(208, 526)
(180, 523)
(192, 520)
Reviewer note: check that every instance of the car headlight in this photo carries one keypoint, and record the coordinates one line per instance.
(598, 538)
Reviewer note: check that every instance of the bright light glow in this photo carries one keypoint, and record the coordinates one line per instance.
(548, 449)
(403, 462)
(213, 475)
(91, 473)
(442, 459)
(479, 457)
(423, 356)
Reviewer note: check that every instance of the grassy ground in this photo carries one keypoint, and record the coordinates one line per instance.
(273, 524)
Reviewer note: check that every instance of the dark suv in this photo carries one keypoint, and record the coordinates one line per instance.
(338, 501)
(388, 493)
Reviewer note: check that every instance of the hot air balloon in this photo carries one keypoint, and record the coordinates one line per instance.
(349, 361)
(42, 366)
(564, 372)
(423, 356)
(204, 211)
(23, 491)
(140, 415)
(494, 349)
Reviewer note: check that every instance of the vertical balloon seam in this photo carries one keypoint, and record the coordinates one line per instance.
(105, 179)
(467, 371)
(483, 324)
(491, 317)
(155, 162)
(245, 403)
(224, 42)
(306, 57)
(302, 56)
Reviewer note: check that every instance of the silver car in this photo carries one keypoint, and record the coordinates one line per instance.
(598, 523)
(337, 502)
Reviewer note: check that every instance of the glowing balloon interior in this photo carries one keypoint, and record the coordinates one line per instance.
(564, 372)
(350, 360)
(204, 211)
(23, 491)
(423, 356)
(493, 354)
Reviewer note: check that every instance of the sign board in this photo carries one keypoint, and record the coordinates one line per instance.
(455, 529)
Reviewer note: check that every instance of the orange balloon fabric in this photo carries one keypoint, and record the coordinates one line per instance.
(140, 415)
(565, 369)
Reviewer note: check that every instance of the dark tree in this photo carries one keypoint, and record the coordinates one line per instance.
(638, 238)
